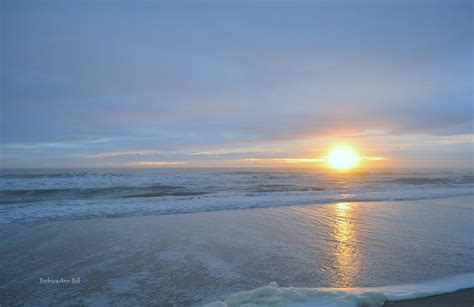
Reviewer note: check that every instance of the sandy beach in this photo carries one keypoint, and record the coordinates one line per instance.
(199, 258)
(462, 298)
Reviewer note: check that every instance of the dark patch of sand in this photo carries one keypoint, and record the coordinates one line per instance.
(461, 298)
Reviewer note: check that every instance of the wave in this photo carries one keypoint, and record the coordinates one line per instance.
(268, 188)
(174, 203)
(34, 195)
(377, 296)
(36, 176)
(467, 179)
(157, 190)
(431, 180)
(105, 194)
(56, 175)
(419, 180)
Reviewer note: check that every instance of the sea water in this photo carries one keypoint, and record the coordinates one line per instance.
(32, 195)
(305, 239)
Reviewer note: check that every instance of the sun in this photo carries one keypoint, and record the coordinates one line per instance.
(342, 158)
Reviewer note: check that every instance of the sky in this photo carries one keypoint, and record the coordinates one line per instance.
(236, 83)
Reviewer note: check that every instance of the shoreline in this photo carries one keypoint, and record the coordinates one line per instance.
(459, 298)
(194, 211)
(200, 258)
(451, 291)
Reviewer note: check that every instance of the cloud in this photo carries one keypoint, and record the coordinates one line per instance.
(104, 155)
(307, 160)
(153, 163)
(285, 160)
(237, 81)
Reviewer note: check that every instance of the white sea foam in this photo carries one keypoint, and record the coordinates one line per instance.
(78, 209)
(281, 296)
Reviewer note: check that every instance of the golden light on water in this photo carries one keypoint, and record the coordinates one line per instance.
(342, 158)
(345, 259)
(345, 250)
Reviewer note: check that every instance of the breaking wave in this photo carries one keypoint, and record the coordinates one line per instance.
(377, 296)
(55, 195)
(19, 196)
(419, 181)
(268, 188)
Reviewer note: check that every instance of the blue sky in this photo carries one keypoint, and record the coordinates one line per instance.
(233, 83)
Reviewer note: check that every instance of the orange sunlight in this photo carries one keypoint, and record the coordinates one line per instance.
(342, 158)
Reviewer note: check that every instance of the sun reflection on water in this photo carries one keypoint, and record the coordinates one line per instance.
(344, 251)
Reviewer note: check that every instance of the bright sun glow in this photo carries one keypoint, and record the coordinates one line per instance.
(342, 158)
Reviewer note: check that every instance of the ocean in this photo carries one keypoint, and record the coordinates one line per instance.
(177, 237)
(34, 195)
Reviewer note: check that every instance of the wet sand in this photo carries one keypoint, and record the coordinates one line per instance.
(461, 298)
(193, 259)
